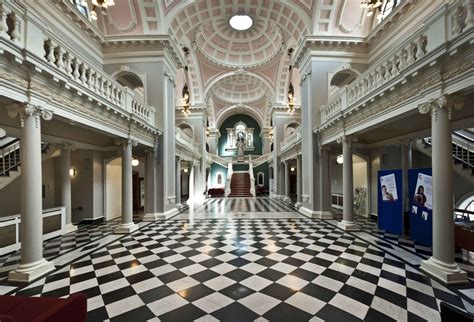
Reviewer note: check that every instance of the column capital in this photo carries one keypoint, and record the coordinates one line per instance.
(347, 138)
(404, 142)
(126, 142)
(445, 101)
(22, 110)
(66, 146)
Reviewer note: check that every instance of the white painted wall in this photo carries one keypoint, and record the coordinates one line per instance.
(113, 189)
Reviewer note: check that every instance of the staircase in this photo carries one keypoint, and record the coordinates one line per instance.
(240, 185)
(462, 151)
(10, 160)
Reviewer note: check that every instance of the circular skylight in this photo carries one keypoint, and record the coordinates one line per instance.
(241, 22)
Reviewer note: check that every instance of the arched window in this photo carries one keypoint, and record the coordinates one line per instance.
(219, 179)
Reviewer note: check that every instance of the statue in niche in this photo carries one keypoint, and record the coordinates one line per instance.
(240, 146)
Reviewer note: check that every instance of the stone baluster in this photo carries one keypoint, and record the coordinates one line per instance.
(60, 60)
(68, 60)
(15, 35)
(403, 60)
(410, 53)
(51, 57)
(84, 73)
(98, 84)
(103, 87)
(393, 65)
(76, 72)
(90, 81)
(386, 67)
(420, 44)
(3, 22)
(109, 90)
(469, 14)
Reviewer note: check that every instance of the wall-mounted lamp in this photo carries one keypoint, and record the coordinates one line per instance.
(72, 172)
(292, 169)
(291, 99)
(185, 100)
(135, 162)
(339, 159)
(185, 170)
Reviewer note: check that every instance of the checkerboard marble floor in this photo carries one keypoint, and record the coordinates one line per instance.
(247, 269)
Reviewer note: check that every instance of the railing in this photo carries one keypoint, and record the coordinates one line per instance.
(462, 151)
(53, 226)
(404, 60)
(291, 140)
(9, 156)
(376, 76)
(186, 141)
(219, 160)
(50, 54)
(262, 159)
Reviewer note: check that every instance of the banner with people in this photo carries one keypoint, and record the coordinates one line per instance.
(420, 191)
(390, 204)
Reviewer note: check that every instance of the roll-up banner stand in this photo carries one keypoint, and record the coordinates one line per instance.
(420, 190)
(390, 203)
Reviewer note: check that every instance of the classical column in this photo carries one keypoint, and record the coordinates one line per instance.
(325, 182)
(178, 182)
(348, 222)
(299, 181)
(405, 145)
(286, 174)
(441, 264)
(65, 166)
(150, 185)
(127, 225)
(191, 182)
(32, 263)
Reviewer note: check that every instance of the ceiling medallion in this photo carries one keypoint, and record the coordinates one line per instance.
(241, 22)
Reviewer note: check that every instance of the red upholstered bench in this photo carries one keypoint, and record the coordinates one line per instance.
(44, 309)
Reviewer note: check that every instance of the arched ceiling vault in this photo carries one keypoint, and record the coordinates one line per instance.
(220, 53)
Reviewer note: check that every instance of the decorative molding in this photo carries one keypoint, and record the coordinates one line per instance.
(23, 110)
(446, 101)
(133, 22)
(341, 25)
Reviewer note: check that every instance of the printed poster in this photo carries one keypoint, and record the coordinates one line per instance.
(424, 191)
(389, 188)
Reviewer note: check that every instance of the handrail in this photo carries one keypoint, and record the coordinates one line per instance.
(463, 150)
(11, 160)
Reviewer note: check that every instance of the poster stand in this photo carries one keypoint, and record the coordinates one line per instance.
(420, 194)
(390, 203)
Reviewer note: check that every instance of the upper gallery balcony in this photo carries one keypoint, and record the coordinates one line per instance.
(28, 42)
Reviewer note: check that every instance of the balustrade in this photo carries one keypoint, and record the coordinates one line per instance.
(97, 81)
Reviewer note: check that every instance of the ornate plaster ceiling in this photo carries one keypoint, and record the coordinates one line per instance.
(240, 87)
(223, 45)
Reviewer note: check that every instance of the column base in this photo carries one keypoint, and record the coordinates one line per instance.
(348, 226)
(315, 213)
(161, 215)
(69, 228)
(298, 204)
(448, 273)
(287, 199)
(126, 228)
(179, 205)
(29, 272)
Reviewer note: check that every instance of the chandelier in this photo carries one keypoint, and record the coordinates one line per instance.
(185, 101)
(291, 99)
(372, 5)
(98, 6)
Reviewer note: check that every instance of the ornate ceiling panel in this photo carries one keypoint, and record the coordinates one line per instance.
(225, 46)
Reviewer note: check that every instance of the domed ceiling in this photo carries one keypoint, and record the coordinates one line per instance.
(238, 88)
(225, 46)
(230, 67)
(216, 50)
